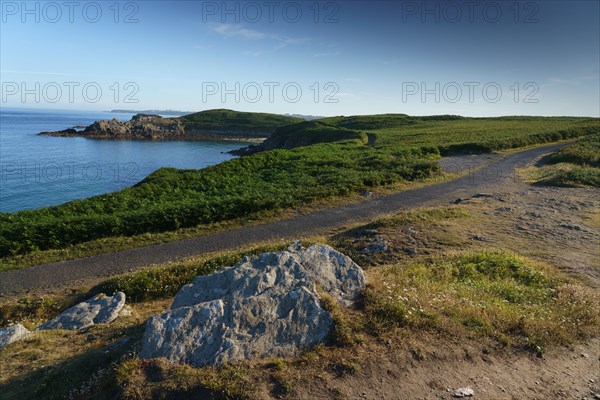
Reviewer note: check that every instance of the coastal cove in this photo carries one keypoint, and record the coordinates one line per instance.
(39, 171)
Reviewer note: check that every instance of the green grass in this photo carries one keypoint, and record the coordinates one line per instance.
(586, 152)
(568, 175)
(171, 199)
(573, 165)
(337, 157)
(454, 134)
(308, 133)
(486, 294)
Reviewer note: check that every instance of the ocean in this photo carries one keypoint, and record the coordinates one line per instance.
(40, 171)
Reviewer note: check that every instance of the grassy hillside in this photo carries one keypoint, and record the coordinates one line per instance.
(577, 164)
(235, 121)
(455, 134)
(307, 133)
(400, 148)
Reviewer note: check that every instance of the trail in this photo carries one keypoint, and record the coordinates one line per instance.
(486, 173)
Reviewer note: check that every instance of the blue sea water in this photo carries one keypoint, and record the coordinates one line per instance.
(39, 171)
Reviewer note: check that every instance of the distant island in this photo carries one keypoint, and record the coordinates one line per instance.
(217, 124)
(305, 117)
(157, 112)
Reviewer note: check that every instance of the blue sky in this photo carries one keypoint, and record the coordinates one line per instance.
(479, 58)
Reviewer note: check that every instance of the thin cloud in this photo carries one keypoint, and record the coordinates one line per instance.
(231, 30)
(278, 42)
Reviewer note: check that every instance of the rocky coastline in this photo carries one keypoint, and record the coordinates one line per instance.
(155, 127)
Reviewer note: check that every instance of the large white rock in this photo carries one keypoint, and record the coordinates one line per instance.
(12, 334)
(263, 306)
(100, 309)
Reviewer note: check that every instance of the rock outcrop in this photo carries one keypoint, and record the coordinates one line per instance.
(12, 334)
(141, 126)
(267, 306)
(100, 309)
(204, 125)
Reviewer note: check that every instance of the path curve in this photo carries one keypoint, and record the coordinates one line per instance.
(495, 170)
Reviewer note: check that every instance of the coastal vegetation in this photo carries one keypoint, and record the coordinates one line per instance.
(576, 164)
(299, 164)
(235, 121)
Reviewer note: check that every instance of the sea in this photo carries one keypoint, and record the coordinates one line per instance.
(41, 171)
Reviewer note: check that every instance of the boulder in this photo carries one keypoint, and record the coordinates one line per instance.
(12, 334)
(100, 309)
(266, 306)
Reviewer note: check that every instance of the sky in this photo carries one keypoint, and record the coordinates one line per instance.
(471, 58)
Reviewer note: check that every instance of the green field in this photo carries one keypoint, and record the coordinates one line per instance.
(332, 157)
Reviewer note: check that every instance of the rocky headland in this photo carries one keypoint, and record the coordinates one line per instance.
(205, 125)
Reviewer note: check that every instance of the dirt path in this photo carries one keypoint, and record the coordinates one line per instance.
(486, 173)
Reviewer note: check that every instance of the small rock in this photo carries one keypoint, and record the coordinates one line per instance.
(481, 195)
(91, 337)
(367, 194)
(125, 312)
(409, 251)
(584, 355)
(505, 209)
(378, 247)
(100, 309)
(464, 392)
(12, 334)
(571, 227)
(458, 201)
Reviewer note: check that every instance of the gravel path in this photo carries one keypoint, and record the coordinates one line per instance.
(486, 173)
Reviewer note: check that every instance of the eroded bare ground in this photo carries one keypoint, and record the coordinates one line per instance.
(557, 225)
(440, 370)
